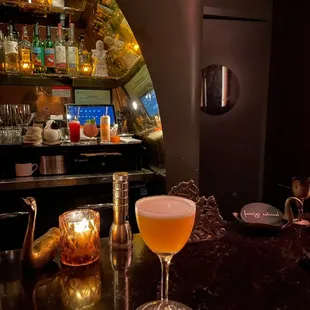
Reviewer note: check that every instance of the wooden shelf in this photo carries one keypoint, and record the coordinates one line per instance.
(37, 79)
(55, 80)
(70, 180)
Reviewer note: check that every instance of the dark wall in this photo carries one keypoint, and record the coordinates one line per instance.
(169, 34)
(287, 144)
(232, 144)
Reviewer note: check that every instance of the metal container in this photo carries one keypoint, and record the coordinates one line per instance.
(120, 232)
(52, 165)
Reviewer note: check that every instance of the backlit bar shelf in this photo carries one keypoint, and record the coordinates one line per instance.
(30, 5)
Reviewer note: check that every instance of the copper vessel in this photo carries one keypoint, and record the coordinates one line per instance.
(36, 254)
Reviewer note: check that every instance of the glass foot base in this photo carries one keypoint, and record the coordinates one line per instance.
(302, 222)
(156, 305)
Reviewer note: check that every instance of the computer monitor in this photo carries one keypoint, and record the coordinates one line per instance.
(92, 111)
(150, 104)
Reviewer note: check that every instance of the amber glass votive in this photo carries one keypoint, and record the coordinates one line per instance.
(79, 237)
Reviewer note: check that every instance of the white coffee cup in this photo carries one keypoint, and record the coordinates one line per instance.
(25, 170)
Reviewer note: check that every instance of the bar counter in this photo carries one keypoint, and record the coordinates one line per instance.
(243, 270)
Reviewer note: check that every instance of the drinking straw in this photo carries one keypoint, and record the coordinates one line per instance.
(106, 111)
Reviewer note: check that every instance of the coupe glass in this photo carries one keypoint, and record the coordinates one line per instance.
(90, 129)
(165, 224)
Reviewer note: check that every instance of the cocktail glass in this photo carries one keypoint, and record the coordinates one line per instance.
(74, 128)
(90, 129)
(165, 224)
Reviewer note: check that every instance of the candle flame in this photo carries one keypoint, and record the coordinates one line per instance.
(81, 226)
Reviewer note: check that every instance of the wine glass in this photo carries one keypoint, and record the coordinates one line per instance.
(165, 224)
(90, 129)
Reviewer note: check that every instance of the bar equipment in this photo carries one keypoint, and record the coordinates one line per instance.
(120, 232)
(79, 237)
(10, 135)
(36, 254)
(301, 191)
(52, 165)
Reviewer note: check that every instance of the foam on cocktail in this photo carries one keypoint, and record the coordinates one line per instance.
(169, 207)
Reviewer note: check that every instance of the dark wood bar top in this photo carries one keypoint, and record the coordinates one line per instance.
(241, 271)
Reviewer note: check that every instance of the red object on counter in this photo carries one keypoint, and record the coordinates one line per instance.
(74, 127)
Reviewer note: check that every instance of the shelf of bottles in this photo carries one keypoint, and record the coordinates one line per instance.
(114, 56)
(22, 56)
(47, 6)
(25, 61)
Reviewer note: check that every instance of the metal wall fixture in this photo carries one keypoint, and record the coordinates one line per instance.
(220, 90)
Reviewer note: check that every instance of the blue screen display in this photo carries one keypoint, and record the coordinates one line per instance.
(150, 104)
(91, 112)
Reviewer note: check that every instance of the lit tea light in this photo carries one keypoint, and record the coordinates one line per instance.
(86, 69)
(26, 66)
(136, 47)
(79, 237)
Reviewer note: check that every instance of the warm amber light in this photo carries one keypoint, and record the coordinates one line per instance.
(26, 66)
(136, 47)
(81, 288)
(79, 237)
(86, 69)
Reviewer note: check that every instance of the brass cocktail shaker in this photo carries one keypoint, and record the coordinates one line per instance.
(120, 231)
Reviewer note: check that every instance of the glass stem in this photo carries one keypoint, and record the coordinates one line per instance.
(165, 264)
(301, 210)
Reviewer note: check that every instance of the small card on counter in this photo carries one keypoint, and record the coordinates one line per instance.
(261, 213)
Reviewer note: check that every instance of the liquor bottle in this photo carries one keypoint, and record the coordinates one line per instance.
(60, 53)
(85, 65)
(11, 52)
(25, 53)
(2, 60)
(82, 50)
(72, 54)
(37, 52)
(49, 52)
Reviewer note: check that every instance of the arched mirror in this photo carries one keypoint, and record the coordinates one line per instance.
(220, 90)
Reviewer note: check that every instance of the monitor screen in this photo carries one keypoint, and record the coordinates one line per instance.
(150, 104)
(85, 112)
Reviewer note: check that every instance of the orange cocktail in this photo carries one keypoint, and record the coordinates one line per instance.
(165, 225)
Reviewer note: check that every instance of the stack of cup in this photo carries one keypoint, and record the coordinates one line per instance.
(33, 136)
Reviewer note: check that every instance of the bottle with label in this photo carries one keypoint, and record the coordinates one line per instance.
(37, 52)
(60, 53)
(25, 53)
(85, 65)
(72, 48)
(11, 52)
(49, 52)
(2, 60)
